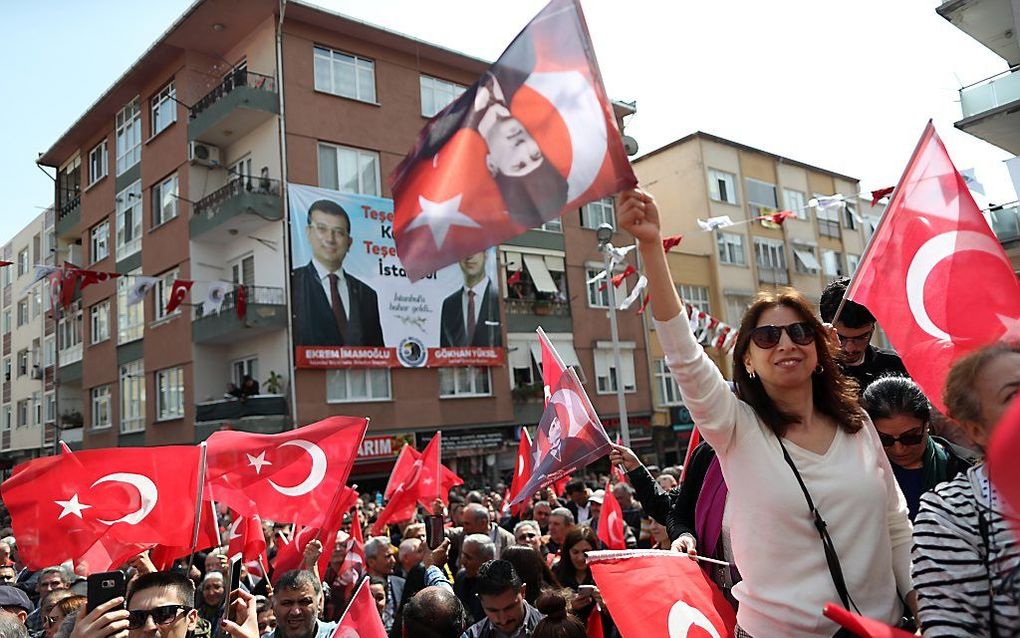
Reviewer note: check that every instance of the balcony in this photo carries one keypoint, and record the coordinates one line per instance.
(263, 413)
(990, 22)
(991, 110)
(239, 208)
(524, 315)
(1005, 222)
(773, 276)
(240, 103)
(69, 218)
(266, 312)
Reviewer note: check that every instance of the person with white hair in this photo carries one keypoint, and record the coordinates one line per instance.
(529, 534)
(476, 550)
(379, 562)
(476, 520)
(410, 553)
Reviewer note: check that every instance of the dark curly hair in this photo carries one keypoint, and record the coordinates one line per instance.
(835, 394)
(853, 315)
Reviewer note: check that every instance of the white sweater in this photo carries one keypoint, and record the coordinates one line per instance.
(775, 543)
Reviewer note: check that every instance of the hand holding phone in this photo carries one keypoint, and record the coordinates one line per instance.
(104, 587)
(434, 531)
(586, 591)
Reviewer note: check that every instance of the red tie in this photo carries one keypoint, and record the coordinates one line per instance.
(339, 314)
(471, 320)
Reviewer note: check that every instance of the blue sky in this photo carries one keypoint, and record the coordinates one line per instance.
(845, 86)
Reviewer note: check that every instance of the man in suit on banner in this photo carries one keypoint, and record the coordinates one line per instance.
(332, 308)
(471, 315)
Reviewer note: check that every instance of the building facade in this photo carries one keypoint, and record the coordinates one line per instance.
(177, 172)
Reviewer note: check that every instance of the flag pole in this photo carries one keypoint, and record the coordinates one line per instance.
(354, 594)
(198, 505)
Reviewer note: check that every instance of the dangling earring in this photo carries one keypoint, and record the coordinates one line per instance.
(752, 374)
(819, 369)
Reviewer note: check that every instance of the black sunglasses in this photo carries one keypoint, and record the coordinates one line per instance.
(913, 437)
(162, 615)
(766, 337)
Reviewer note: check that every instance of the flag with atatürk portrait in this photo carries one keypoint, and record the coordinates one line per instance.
(534, 137)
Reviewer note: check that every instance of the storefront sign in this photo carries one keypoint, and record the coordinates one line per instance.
(383, 446)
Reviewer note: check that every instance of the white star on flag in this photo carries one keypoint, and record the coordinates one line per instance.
(258, 461)
(71, 506)
(439, 216)
(1012, 326)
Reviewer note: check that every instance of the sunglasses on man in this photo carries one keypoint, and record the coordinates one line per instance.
(801, 333)
(162, 615)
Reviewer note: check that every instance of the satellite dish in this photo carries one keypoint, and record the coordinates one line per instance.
(630, 145)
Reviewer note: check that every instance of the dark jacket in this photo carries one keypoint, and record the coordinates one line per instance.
(466, 588)
(877, 363)
(453, 332)
(484, 629)
(313, 312)
(674, 509)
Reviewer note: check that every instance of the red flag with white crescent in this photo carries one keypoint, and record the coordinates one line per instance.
(362, 619)
(177, 294)
(933, 254)
(611, 530)
(534, 137)
(522, 470)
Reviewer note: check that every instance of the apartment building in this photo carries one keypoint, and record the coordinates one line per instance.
(177, 172)
(991, 107)
(719, 272)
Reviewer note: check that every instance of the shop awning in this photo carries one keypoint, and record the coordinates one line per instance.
(807, 258)
(565, 348)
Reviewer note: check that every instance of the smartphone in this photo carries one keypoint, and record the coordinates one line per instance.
(233, 577)
(433, 531)
(586, 591)
(104, 587)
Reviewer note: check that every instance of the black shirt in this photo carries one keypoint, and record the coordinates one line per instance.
(877, 363)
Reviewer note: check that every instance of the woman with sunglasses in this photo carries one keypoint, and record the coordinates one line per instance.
(920, 461)
(793, 433)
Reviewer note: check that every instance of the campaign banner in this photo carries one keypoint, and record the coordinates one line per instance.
(355, 307)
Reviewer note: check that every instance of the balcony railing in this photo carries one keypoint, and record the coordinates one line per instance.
(1002, 88)
(1006, 222)
(241, 77)
(537, 307)
(253, 296)
(260, 405)
(257, 185)
(70, 207)
(773, 275)
(70, 355)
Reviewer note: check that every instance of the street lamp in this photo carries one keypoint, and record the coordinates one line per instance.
(604, 234)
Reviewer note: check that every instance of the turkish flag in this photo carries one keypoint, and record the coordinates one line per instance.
(593, 628)
(113, 500)
(89, 277)
(404, 468)
(292, 555)
(245, 539)
(1003, 469)
(686, 602)
(361, 620)
(241, 302)
(569, 436)
(552, 365)
(878, 194)
(611, 531)
(284, 476)
(932, 255)
(861, 626)
(671, 242)
(534, 137)
(178, 293)
(354, 563)
(68, 281)
(423, 484)
(522, 471)
(514, 277)
(163, 556)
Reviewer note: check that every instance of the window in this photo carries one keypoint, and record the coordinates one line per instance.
(665, 384)
(164, 108)
(731, 249)
(164, 288)
(242, 271)
(69, 334)
(597, 213)
(7, 369)
(832, 262)
(596, 298)
(23, 312)
(828, 219)
(36, 302)
(102, 416)
(7, 418)
(99, 162)
(344, 75)
(49, 352)
(164, 201)
(22, 413)
(130, 317)
(606, 375)
(464, 382)
(99, 323)
(22, 362)
(357, 384)
(770, 255)
(349, 170)
(7, 321)
(852, 261)
(761, 197)
(37, 409)
(794, 201)
(804, 261)
(697, 296)
(722, 186)
(249, 366)
(5, 276)
(129, 136)
(100, 247)
(736, 305)
(51, 408)
(241, 169)
(129, 220)
(436, 94)
(132, 397)
(849, 216)
(552, 226)
(170, 394)
(23, 262)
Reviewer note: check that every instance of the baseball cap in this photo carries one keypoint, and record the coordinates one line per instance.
(597, 496)
(14, 597)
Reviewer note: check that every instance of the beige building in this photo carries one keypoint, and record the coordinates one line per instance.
(703, 176)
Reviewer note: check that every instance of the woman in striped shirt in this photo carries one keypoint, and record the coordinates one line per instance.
(966, 562)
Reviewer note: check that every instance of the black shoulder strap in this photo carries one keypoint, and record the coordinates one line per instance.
(831, 557)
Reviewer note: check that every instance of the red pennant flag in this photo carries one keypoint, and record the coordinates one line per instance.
(522, 470)
(5, 263)
(178, 293)
(404, 468)
(877, 195)
(241, 302)
(861, 626)
(778, 218)
(593, 628)
(615, 471)
(68, 281)
(116, 500)
(932, 254)
(402, 506)
(618, 278)
(671, 242)
(644, 305)
(292, 556)
(361, 620)
(287, 475)
(354, 563)
(515, 277)
(163, 556)
(245, 539)
(723, 334)
(1003, 451)
(611, 531)
(685, 599)
(533, 138)
(569, 436)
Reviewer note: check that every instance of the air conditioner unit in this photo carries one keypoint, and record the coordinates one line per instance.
(36, 372)
(204, 154)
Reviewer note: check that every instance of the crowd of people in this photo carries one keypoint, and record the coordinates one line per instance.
(824, 474)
